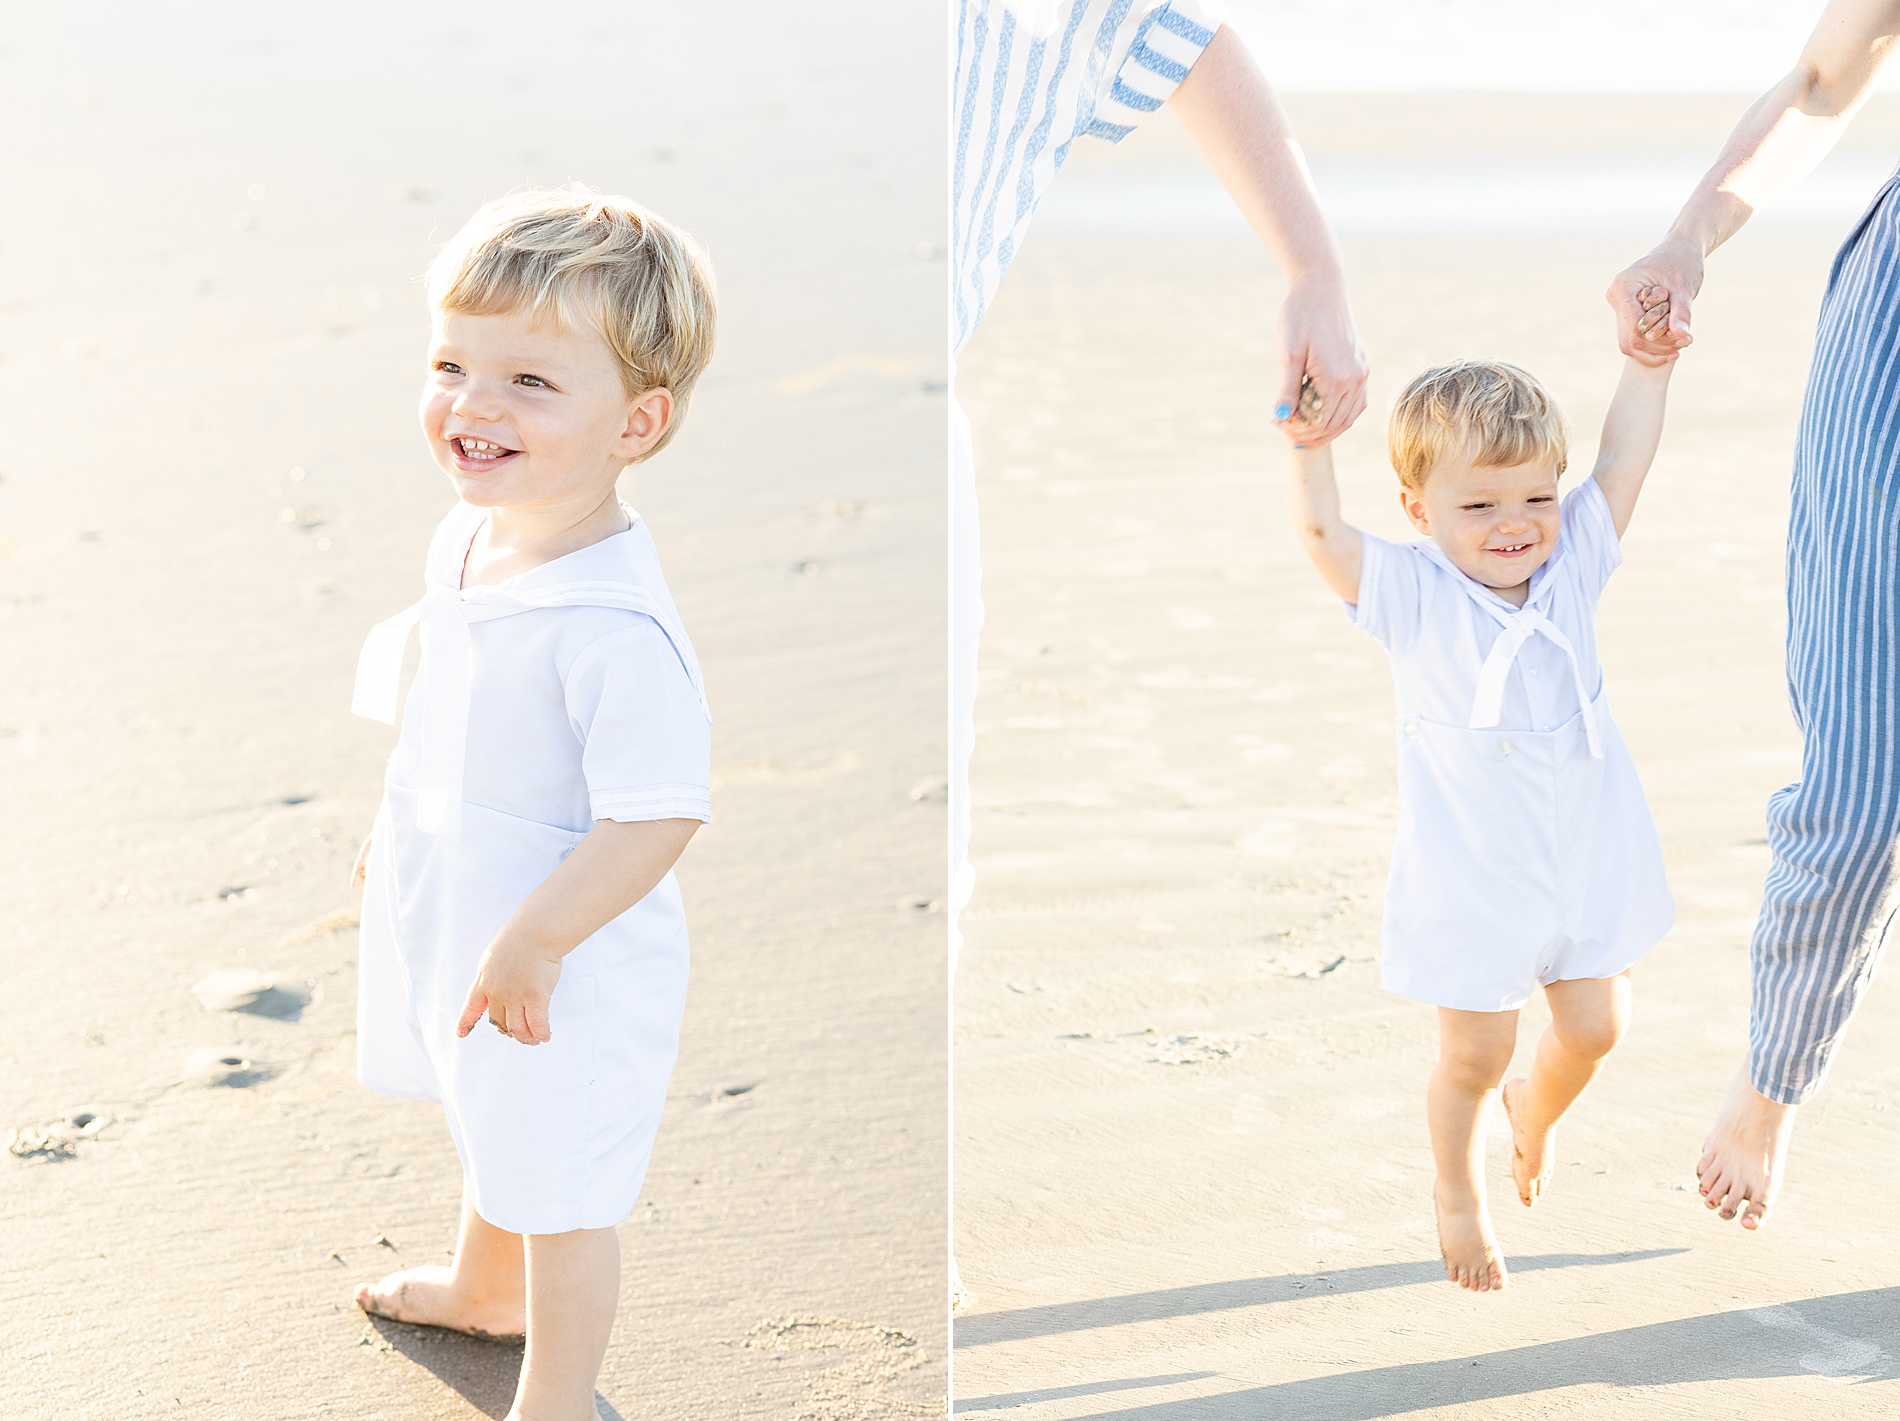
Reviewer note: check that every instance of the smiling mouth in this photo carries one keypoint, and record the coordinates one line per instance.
(480, 451)
(1510, 550)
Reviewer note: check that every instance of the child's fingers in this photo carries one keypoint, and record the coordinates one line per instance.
(473, 1010)
(536, 1015)
(518, 1024)
(1653, 317)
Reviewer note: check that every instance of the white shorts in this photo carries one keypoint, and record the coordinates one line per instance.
(551, 1137)
(1521, 860)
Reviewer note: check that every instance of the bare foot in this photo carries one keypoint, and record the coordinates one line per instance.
(1465, 1243)
(427, 1296)
(1740, 1168)
(1530, 1150)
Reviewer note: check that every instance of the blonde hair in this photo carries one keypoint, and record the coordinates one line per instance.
(590, 262)
(1492, 413)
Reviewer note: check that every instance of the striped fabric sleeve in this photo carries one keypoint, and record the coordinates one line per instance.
(1167, 38)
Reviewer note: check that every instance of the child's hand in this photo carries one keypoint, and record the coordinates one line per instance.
(361, 870)
(512, 986)
(1655, 318)
(1307, 415)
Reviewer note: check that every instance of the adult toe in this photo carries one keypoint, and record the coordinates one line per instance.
(1714, 1186)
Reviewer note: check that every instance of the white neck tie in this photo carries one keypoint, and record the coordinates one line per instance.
(1487, 707)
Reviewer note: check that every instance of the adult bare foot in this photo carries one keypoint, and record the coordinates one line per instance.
(1740, 1168)
(1530, 1149)
(428, 1296)
(1465, 1243)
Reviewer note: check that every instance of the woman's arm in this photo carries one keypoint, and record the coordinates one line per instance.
(1333, 544)
(1632, 429)
(1243, 134)
(612, 868)
(1776, 143)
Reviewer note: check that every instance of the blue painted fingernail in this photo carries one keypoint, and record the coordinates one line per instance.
(1282, 411)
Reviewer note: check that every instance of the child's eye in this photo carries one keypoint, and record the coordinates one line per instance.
(447, 367)
(533, 382)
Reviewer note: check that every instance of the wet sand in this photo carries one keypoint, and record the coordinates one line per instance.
(1193, 1178)
(212, 485)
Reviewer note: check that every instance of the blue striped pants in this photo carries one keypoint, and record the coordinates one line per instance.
(1830, 896)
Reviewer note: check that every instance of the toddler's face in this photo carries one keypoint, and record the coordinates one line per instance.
(519, 414)
(1497, 526)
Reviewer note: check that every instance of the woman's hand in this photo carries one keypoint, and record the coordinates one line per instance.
(1651, 331)
(360, 870)
(1320, 344)
(512, 987)
(1235, 120)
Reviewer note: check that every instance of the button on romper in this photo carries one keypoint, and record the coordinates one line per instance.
(1525, 853)
(565, 695)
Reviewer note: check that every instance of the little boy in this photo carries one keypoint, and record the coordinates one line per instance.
(1525, 854)
(524, 952)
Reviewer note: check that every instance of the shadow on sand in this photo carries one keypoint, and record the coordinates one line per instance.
(1850, 1336)
(982, 1328)
(1003, 1401)
(482, 1373)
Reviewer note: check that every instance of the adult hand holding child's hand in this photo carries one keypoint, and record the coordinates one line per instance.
(1322, 354)
(512, 987)
(1652, 330)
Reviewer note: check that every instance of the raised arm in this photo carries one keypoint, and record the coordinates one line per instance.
(1242, 132)
(1333, 544)
(1631, 431)
(1777, 142)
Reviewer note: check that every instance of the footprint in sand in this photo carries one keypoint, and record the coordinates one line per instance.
(1192, 1049)
(849, 1367)
(56, 1140)
(222, 1068)
(254, 993)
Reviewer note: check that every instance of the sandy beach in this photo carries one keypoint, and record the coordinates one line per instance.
(212, 485)
(1192, 1168)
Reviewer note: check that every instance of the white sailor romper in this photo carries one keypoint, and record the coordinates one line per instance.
(1525, 852)
(567, 694)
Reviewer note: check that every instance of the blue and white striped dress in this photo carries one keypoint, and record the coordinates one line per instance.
(1030, 77)
(1830, 896)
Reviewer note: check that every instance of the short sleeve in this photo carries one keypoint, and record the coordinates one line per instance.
(1391, 592)
(1151, 53)
(1588, 535)
(646, 744)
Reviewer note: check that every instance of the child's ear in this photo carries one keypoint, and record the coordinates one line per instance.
(648, 418)
(1414, 507)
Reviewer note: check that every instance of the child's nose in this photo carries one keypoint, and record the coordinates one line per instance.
(473, 402)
